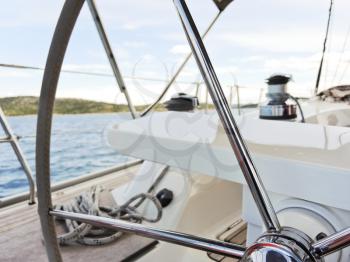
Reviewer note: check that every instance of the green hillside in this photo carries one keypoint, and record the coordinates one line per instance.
(27, 105)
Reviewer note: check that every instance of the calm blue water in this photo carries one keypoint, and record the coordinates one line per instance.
(78, 147)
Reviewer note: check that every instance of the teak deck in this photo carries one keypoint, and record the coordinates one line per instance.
(20, 232)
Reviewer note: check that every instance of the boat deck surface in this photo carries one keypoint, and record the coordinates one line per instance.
(21, 238)
(20, 231)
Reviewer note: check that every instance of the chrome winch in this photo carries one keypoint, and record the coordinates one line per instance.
(279, 105)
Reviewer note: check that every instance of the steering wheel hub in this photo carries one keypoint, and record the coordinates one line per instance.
(288, 245)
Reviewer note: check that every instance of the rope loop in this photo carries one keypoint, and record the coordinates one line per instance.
(88, 203)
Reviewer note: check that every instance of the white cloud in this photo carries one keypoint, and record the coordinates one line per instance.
(134, 44)
(335, 68)
(18, 13)
(278, 42)
(180, 49)
(131, 25)
(92, 68)
(15, 74)
(292, 63)
(174, 36)
(248, 59)
(226, 70)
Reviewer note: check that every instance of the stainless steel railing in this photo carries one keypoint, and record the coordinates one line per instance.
(110, 56)
(13, 140)
(13, 199)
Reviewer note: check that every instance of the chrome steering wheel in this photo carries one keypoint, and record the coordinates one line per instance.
(278, 244)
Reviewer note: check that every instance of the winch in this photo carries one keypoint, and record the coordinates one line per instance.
(279, 105)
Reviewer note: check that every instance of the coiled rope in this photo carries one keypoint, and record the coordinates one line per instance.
(88, 203)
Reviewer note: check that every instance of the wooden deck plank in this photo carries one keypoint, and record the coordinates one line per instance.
(20, 231)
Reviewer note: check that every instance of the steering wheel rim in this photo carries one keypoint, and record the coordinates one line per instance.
(61, 37)
(64, 28)
(59, 44)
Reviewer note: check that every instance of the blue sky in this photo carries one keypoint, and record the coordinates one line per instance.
(252, 40)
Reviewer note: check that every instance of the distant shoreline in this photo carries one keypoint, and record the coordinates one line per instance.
(28, 105)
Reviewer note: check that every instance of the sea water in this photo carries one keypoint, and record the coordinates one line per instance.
(78, 147)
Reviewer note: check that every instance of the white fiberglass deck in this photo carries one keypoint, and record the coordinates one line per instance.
(303, 160)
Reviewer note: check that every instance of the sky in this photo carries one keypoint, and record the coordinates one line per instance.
(252, 40)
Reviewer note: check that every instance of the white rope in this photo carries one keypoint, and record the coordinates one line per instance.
(88, 203)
